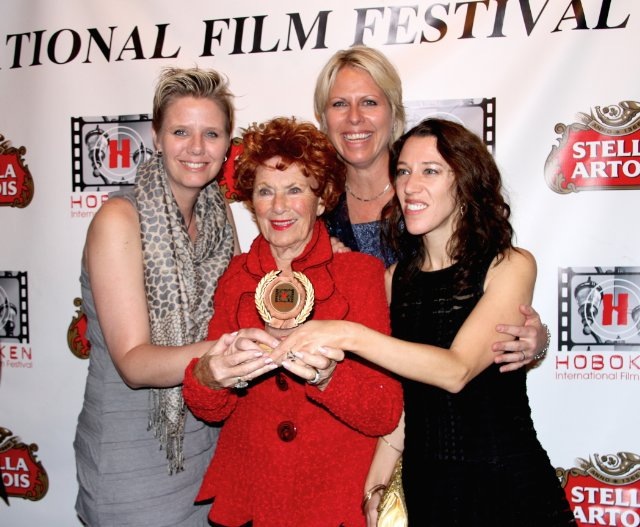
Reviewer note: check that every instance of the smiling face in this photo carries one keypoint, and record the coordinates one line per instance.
(286, 208)
(425, 185)
(193, 141)
(358, 118)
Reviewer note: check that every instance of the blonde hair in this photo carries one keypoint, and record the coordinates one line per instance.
(383, 73)
(192, 82)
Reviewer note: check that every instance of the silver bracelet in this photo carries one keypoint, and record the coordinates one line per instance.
(542, 353)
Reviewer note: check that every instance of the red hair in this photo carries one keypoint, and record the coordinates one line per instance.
(296, 142)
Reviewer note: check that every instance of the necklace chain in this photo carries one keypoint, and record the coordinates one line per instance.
(346, 186)
(190, 218)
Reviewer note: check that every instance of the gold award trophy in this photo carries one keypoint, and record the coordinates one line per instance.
(284, 302)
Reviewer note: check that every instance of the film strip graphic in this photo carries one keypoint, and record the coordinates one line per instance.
(14, 307)
(599, 308)
(489, 133)
(106, 151)
(478, 115)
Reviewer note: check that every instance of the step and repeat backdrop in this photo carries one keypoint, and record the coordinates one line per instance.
(551, 85)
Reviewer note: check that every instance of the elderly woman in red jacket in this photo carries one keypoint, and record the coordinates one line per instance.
(299, 430)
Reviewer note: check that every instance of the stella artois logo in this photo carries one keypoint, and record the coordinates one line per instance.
(604, 490)
(77, 333)
(600, 152)
(16, 183)
(23, 476)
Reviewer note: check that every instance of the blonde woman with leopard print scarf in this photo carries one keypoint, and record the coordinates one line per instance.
(151, 262)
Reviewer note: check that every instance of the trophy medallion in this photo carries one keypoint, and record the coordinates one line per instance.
(284, 302)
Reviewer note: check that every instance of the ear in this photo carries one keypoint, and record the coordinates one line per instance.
(154, 136)
(320, 208)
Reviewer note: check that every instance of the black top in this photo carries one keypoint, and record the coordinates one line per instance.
(470, 458)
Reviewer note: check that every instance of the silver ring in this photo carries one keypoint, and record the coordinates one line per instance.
(316, 378)
(524, 357)
(240, 384)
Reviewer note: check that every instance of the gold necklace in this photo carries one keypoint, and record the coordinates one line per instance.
(346, 186)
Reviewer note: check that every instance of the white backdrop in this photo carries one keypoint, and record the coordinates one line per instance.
(543, 61)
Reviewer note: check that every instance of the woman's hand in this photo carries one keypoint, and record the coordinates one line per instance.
(316, 369)
(309, 352)
(532, 342)
(236, 359)
(338, 247)
(318, 337)
(370, 509)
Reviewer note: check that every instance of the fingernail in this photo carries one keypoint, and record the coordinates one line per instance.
(268, 360)
(323, 350)
(258, 354)
(298, 354)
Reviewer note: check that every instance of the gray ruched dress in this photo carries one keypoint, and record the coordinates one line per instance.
(121, 470)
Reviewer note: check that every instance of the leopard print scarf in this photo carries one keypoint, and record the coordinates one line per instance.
(180, 278)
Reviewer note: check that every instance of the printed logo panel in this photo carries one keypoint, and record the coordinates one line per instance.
(599, 308)
(14, 309)
(601, 152)
(598, 324)
(108, 150)
(16, 183)
(604, 490)
(22, 475)
(77, 333)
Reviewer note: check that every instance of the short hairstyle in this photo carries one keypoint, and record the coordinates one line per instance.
(482, 229)
(383, 73)
(298, 142)
(192, 82)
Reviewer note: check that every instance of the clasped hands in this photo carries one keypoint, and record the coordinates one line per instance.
(251, 353)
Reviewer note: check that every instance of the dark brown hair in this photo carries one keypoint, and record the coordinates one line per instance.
(482, 229)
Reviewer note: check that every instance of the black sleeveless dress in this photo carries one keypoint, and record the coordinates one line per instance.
(471, 458)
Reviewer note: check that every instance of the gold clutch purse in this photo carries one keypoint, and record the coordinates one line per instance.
(392, 510)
